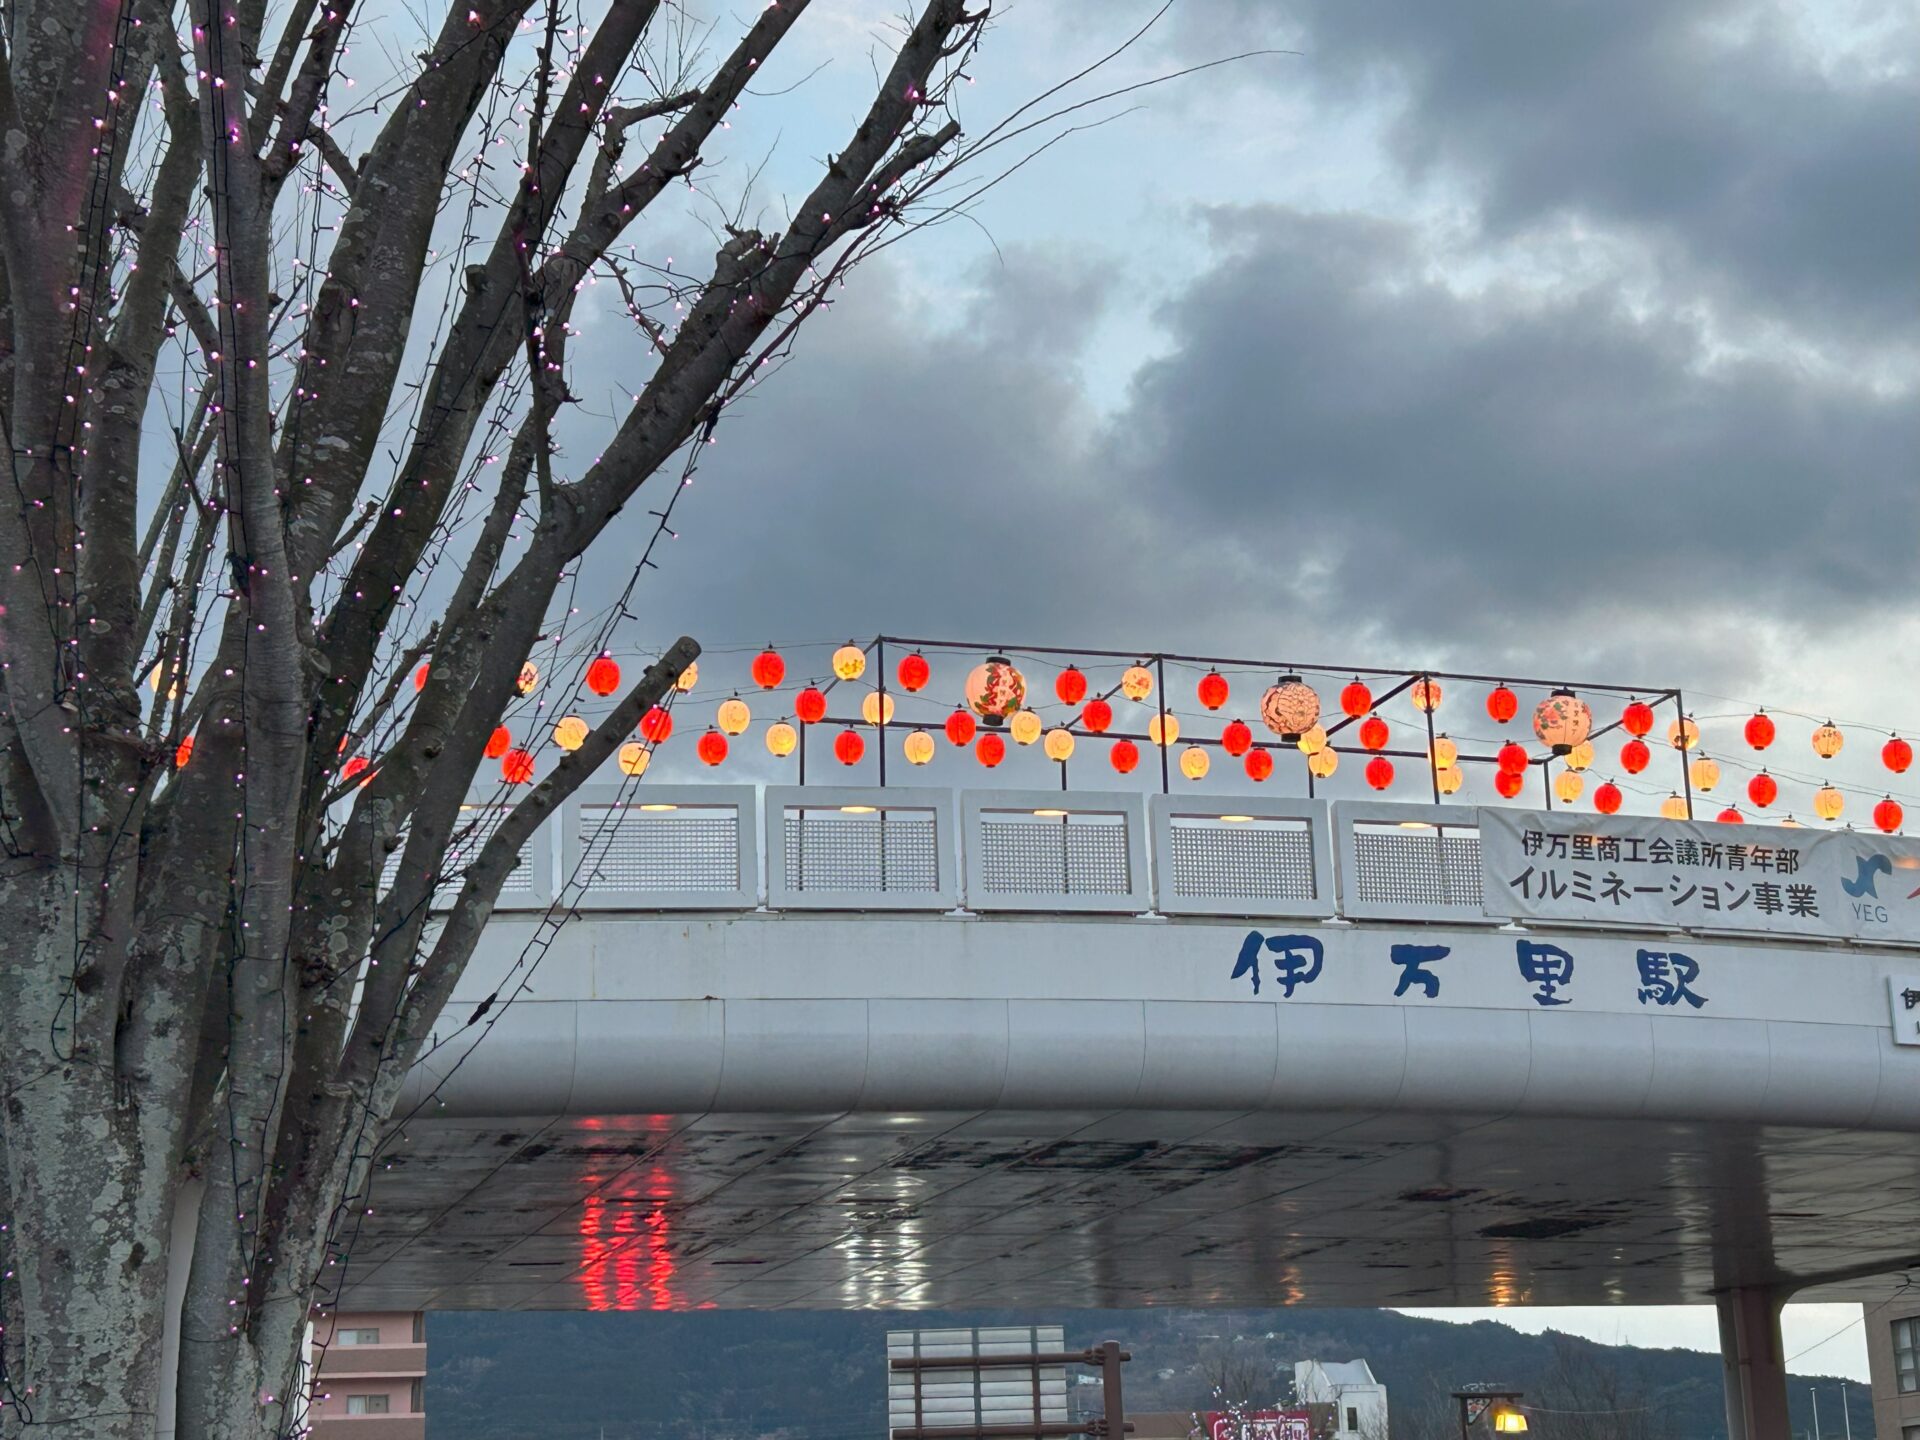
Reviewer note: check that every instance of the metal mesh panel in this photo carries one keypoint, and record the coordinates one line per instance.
(1049, 855)
(475, 827)
(889, 851)
(1417, 867)
(623, 847)
(1258, 860)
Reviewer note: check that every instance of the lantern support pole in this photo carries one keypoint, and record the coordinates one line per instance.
(1433, 760)
(802, 748)
(1160, 672)
(1063, 775)
(880, 687)
(1686, 773)
(1546, 782)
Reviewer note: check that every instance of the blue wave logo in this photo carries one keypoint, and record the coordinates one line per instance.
(1863, 878)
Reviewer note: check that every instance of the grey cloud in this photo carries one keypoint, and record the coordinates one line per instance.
(1754, 174)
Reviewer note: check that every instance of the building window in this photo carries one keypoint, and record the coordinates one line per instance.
(419, 1327)
(366, 1336)
(418, 1400)
(1353, 1419)
(366, 1404)
(1906, 1355)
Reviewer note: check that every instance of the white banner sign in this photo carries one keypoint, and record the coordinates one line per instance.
(1694, 875)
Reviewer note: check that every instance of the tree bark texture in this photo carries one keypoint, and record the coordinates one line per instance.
(191, 887)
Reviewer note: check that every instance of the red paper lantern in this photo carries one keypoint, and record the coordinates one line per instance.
(1124, 755)
(1512, 759)
(1259, 763)
(1374, 733)
(516, 767)
(768, 669)
(1235, 738)
(1502, 704)
(1896, 755)
(914, 673)
(1607, 798)
(1070, 685)
(810, 706)
(990, 749)
(1730, 816)
(1887, 815)
(656, 725)
(603, 676)
(1097, 716)
(1213, 690)
(712, 748)
(1379, 772)
(1635, 757)
(1760, 730)
(499, 742)
(1763, 790)
(960, 727)
(356, 765)
(420, 678)
(1507, 783)
(1637, 718)
(1356, 699)
(848, 747)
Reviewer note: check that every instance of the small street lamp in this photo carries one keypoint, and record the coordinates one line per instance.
(1500, 1408)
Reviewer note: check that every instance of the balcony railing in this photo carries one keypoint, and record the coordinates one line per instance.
(653, 849)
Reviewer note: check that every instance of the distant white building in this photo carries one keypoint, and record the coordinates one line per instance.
(1359, 1401)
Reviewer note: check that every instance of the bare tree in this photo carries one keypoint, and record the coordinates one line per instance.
(221, 970)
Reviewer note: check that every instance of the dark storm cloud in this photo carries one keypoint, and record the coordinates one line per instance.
(1758, 172)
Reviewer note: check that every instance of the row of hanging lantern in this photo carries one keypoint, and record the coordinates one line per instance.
(996, 696)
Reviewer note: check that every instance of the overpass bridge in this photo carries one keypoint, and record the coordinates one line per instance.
(826, 1047)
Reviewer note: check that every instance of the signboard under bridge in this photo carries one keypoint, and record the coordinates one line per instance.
(1634, 871)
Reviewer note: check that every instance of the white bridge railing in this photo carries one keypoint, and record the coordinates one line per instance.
(737, 847)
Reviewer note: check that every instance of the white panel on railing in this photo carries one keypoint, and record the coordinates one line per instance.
(1241, 855)
(661, 847)
(1408, 862)
(528, 886)
(833, 847)
(1055, 850)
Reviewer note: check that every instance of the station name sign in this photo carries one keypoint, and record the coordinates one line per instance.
(1699, 876)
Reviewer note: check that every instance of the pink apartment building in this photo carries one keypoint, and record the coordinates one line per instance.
(372, 1375)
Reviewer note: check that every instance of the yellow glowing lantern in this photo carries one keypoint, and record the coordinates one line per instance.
(1568, 786)
(917, 747)
(1137, 682)
(570, 733)
(153, 679)
(1451, 779)
(1312, 742)
(996, 690)
(1025, 727)
(849, 662)
(1581, 756)
(1163, 729)
(1059, 744)
(528, 678)
(1704, 773)
(782, 739)
(1323, 762)
(1683, 734)
(1446, 754)
(1426, 695)
(1508, 1421)
(876, 708)
(634, 758)
(733, 716)
(1828, 803)
(1194, 763)
(1791, 824)
(688, 678)
(1673, 808)
(1827, 741)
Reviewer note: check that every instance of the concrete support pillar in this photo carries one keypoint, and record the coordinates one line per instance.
(1754, 1364)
